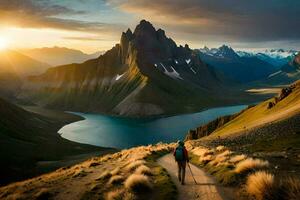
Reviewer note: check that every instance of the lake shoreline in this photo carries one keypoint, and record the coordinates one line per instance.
(123, 132)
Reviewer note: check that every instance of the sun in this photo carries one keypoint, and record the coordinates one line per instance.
(3, 43)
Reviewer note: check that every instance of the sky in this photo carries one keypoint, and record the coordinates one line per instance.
(96, 25)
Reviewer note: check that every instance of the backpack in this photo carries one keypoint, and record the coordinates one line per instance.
(179, 153)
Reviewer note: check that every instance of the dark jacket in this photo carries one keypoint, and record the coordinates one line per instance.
(185, 153)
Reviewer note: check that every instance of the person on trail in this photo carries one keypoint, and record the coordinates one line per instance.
(181, 157)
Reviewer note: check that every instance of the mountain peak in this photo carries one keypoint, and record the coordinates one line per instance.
(226, 51)
(129, 32)
(144, 27)
(225, 48)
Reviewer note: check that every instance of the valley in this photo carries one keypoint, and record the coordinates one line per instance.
(30, 138)
(97, 124)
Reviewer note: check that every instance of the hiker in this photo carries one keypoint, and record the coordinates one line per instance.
(181, 157)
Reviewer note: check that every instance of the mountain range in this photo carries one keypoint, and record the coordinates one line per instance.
(276, 57)
(287, 74)
(242, 69)
(14, 67)
(145, 74)
(55, 56)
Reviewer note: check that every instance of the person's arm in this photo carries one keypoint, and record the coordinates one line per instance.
(186, 155)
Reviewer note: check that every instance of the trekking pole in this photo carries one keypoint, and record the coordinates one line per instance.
(192, 173)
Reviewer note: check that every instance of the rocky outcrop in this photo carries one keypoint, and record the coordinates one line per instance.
(285, 92)
(210, 127)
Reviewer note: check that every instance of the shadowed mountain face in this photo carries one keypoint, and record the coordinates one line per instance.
(146, 74)
(242, 69)
(59, 55)
(288, 74)
(14, 66)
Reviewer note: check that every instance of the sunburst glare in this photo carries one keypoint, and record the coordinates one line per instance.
(4, 42)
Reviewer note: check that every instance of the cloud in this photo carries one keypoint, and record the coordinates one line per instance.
(86, 38)
(44, 14)
(243, 20)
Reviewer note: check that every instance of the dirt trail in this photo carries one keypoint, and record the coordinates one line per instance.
(206, 189)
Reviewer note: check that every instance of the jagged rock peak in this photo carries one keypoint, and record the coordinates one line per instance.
(128, 32)
(225, 48)
(128, 35)
(144, 27)
(226, 51)
(126, 38)
(186, 46)
(161, 33)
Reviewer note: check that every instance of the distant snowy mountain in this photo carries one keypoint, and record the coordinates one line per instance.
(280, 53)
(276, 57)
(287, 74)
(222, 52)
(240, 66)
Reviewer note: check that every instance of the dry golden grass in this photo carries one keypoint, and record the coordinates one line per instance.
(220, 148)
(200, 151)
(115, 195)
(138, 183)
(250, 164)
(116, 171)
(105, 175)
(226, 153)
(261, 185)
(237, 158)
(133, 165)
(116, 179)
(44, 193)
(206, 159)
(100, 175)
(220, 158)
(80, 173)
(291, 186)
(143, 170)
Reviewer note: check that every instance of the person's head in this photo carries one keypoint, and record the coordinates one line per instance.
(180, 143)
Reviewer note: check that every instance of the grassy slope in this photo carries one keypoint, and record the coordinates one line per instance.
(272, 134)
(28, 138)
(260, 115)
(86, 180)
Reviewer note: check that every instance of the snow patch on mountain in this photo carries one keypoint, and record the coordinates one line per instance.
(188, 61)
(280, 53)
(119, 76)
(193, 70)
(173, 74)
(274, 74)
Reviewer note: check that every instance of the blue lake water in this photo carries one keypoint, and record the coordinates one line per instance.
(108, 131)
